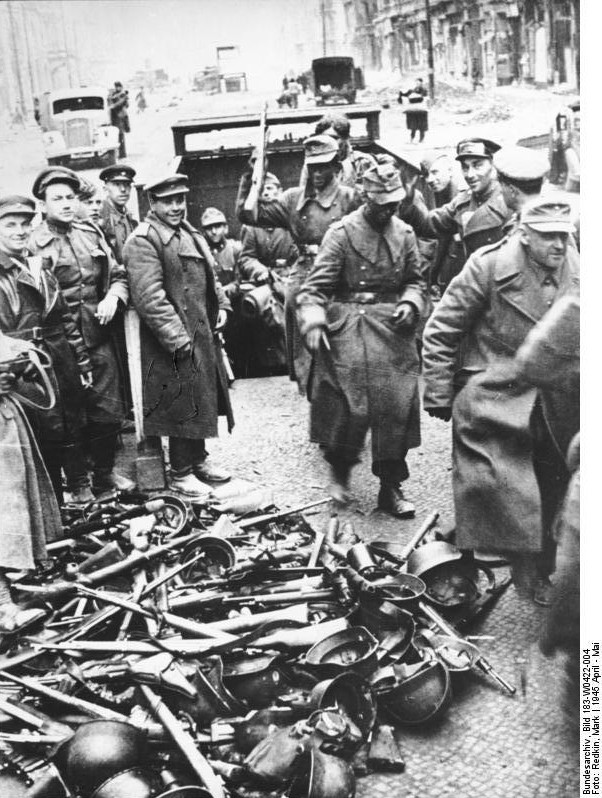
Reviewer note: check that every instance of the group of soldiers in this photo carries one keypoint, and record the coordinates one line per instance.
(378, 290)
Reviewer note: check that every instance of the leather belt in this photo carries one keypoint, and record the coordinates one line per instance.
(36, 333)
(367, 297)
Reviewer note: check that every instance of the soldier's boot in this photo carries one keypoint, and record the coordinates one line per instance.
(103, 448)
(339, 483)
(12, 617)
(391, 500)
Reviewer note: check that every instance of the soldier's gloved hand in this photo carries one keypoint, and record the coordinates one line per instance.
(7, 382)
(404, 316)
(106, 309)
(86, 379)
(222, 318)
(443, 413)
(261, 274)
(314, 337)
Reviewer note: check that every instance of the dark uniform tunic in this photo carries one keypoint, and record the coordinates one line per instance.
(87, 272)
(488, 310)
(270, 248)
(475, 220)
(33, 308)
(369, 377)
(117, 226)
(307, 216)
(177, 297)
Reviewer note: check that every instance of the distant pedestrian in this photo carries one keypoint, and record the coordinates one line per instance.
(476, 74)
(416, 112)
(118, 101)
(141, 100)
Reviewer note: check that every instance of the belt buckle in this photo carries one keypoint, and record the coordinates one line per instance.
(366, 298)
(36, 334)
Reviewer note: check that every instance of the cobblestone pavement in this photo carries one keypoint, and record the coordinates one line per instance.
(489, 744)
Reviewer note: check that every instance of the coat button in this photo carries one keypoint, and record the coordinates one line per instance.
(363, 268)
(362, 312)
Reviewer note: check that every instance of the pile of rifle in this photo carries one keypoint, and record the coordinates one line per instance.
(189, 651)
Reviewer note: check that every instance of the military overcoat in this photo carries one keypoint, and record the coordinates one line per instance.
(485, 314)
(117, 226)
(177, 297)
(368, 378)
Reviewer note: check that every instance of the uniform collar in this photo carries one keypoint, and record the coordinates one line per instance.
(486, 195)
(43, 235)
(166, 233)
(325, 198)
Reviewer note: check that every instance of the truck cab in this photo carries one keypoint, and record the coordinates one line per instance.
(77, 127)
(335, 80)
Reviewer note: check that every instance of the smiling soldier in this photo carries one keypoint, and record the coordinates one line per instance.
(181, 306)
(508, 477)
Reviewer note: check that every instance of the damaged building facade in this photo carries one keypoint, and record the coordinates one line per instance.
(498, 41)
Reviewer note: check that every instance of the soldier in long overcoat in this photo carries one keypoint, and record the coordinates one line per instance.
(181, 306)
(358, 310)
(306, 212)
(476, 216)
(95, 288)
(506, 476)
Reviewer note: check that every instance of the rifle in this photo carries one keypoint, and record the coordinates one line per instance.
(261, 519)
(252, 200)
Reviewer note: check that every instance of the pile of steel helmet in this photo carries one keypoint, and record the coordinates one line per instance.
(228, 649)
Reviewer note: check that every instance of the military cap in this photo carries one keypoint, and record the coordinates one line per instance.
(168, 185)
(382, 183)
(87, 188)
(476, 148)
(212, 216)
(54, 174)
(270, 177)
(320, 149)
(548, 216)
(521, 163)
(119, 172)
(429, 158)
(15, 204)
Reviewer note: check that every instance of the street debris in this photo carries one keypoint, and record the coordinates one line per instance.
(229, 648)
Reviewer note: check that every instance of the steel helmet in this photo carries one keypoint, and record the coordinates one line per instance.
(97, 751)
(414, 694)
(351, 694)
(133, 783)
(352, 649)
(322, 775)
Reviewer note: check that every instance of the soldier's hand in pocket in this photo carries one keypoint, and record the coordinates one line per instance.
(404, 316)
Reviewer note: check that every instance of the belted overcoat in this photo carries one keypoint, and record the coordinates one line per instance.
(470, 343)
(368, 378)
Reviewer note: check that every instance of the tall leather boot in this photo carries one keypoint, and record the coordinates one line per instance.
(103, 447)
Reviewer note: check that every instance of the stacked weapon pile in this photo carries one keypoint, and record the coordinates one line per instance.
(221, 650)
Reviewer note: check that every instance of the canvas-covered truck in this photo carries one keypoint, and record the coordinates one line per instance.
(336, 80)
(76, 126)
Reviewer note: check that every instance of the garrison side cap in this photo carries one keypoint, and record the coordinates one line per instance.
(547, 216)
(18, 205)
(54, 174)
(212, 216)
(270, 177)
(382, 183)
(168, 185)
(320, 149)
(120, 172)
(521, 163)
(476, 148)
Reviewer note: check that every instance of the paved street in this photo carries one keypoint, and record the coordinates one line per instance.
(488, 744)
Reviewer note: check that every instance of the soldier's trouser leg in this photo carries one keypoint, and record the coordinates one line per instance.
(102, 443)
(391, 472)
(553, 479)
(75, 464)
(52, 456)
(184, 454)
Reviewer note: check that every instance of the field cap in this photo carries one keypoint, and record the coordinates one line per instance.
(168, 185)
(547, 216)
(521, 163)
(382, 183)
(16, 204)
(54, 174)
(320, 149)
(212, 216)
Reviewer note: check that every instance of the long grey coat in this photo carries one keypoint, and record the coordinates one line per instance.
(485, 314)
(175, 293)
(369, 378)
